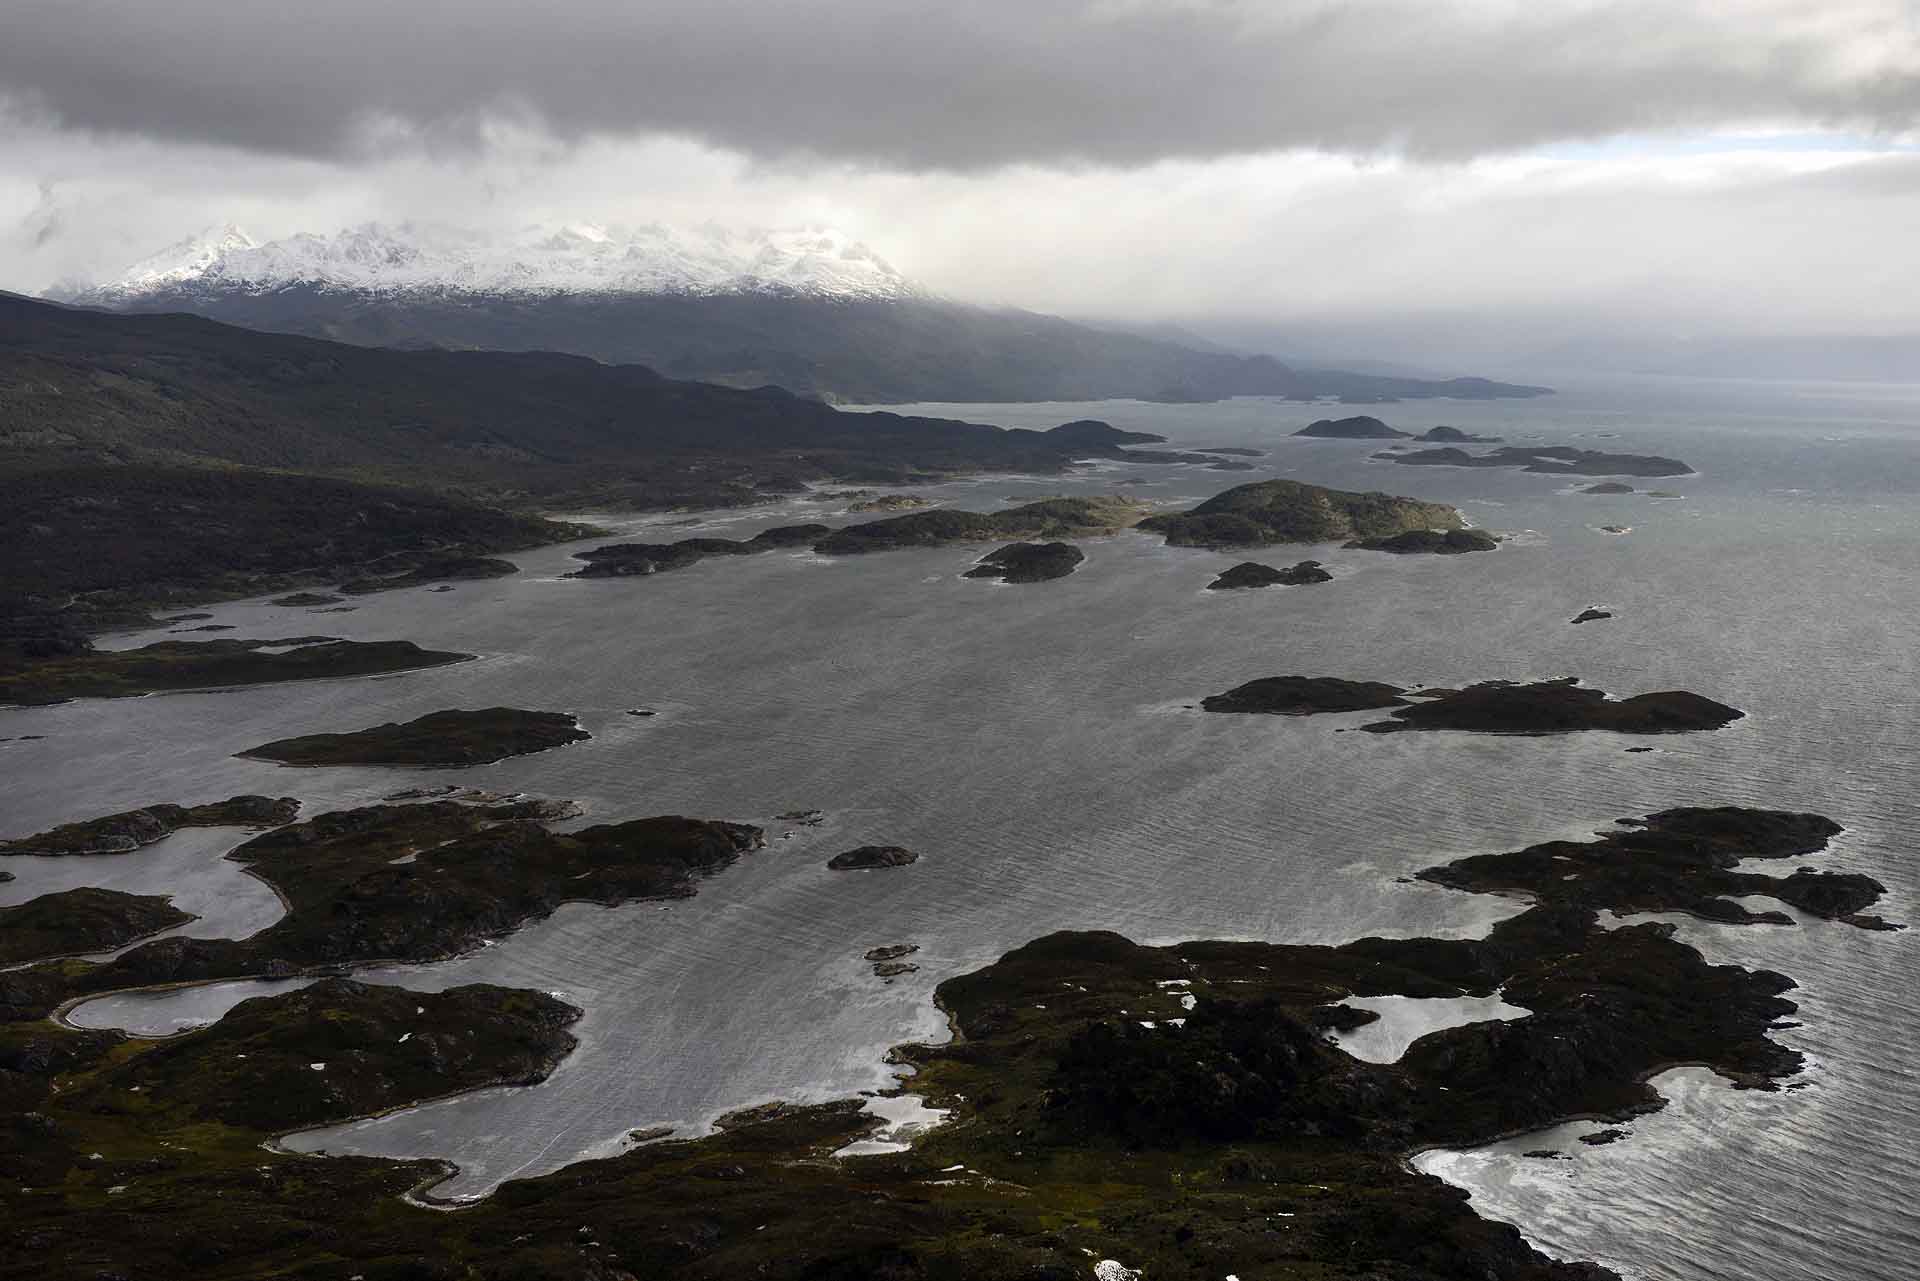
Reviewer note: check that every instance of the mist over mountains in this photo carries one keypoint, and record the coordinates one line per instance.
(809, 310)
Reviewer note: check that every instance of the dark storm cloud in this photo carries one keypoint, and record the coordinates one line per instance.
(960, 85)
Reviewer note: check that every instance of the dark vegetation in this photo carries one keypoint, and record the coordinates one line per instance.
(866, 352)
(438, 738)
(1051, 518)
(131, 829)
(1492, 707)
(627, 560)
(1680, 860)
(1557, 707)
(1359, 427)
(1287, 511)
(340, 1049)
(82, 920)
(1450, 542)
(465, 873)
(1238, 1142)
(1028, 562)
(102, 543)
(871, 857)
(1454, 436)
(1253, 574)
(182, 665)
(1305, 696)
(154, 459)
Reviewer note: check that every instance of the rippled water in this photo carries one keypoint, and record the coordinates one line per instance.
(1033, 743)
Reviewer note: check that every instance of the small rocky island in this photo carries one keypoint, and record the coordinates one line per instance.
(1358, 427)
(627, 560)
(1305, 696)
(1591, 615)
(1050, 518)
(1028, 562)
(1253, 574)
(1551, 460)
(1448, 542)
(1558, 707)
(1491, 707)
(1608, 487)
(1289, 511)
(191, 665)
(438, 738)
(1454, 436)
(872, 857)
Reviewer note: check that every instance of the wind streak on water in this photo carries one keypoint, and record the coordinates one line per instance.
(1033, 744)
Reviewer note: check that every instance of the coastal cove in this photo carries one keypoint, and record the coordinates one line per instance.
(1036, 747)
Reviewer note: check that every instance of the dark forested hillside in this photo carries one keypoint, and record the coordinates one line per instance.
(153, 459)
(864, 351)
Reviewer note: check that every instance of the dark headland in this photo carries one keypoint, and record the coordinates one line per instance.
(1028, 562)
(1492, 707)
(1253, 574)
(438, 738)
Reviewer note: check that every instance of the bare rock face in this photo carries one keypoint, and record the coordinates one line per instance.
(872, 856)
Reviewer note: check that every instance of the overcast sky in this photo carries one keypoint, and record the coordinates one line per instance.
(1684, 166)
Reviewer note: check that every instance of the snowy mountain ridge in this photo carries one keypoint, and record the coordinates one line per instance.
(575, 258)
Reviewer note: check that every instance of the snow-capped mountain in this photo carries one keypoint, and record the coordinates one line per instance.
(578, 258)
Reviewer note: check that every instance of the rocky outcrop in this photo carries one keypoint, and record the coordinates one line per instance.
(1305, 696)
(628, 560)
(438, 738)
(1092, 431)
(1253, 574)
(341, 1049)
(1028, 562)
(1449, 542)
(1289, 511)
(869, 857)
(1553, 460)
(1358, 427)
(1454, 436)
(178, 665)
(1052, 518)
(1559, 707)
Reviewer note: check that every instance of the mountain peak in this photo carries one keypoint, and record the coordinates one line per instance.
(566, 258)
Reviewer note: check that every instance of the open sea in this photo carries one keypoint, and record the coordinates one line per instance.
(1037, 746)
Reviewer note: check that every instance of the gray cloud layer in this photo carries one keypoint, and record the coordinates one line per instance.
(933, 84)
